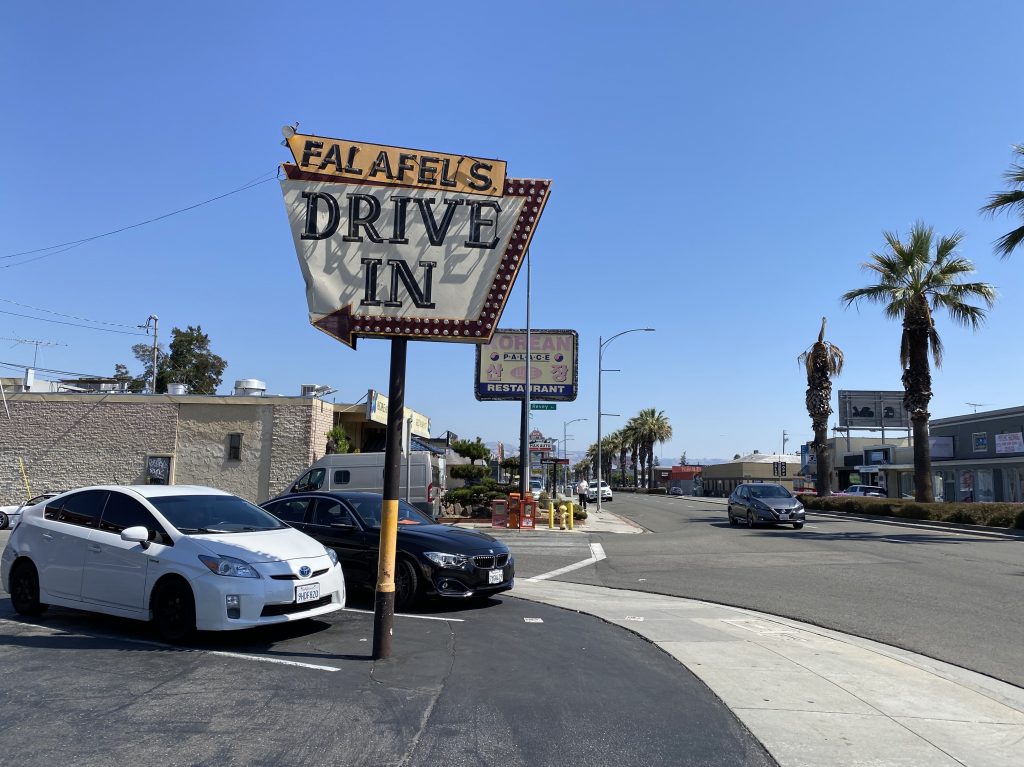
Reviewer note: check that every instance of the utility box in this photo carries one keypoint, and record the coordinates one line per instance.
(499, 512)
(514, 507)
(528, 514)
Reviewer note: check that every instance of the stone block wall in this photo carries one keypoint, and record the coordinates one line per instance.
(70, 440)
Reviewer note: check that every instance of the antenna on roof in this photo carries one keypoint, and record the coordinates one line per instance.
(976, 405)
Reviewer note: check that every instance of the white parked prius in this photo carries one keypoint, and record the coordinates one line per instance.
(185, 557)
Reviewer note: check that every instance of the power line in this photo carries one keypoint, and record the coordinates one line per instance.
(68, 316)
(15, 366)
(75, 243)
(73, 324)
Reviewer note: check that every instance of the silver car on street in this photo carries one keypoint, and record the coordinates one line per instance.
(755, 503)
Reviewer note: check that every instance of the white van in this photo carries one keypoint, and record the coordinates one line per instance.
(422, 477)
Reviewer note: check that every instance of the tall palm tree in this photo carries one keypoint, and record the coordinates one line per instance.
(915, 280)
(1009, 202)
(633, 442)
(652, 426)
(624, 441)
(823, 361)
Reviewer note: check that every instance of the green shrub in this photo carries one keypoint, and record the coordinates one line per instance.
(913, 511)
(961, 516)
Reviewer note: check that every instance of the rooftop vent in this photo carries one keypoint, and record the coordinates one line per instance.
(250, 387)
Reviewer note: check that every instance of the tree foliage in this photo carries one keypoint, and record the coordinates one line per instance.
(1009, 202)
(915, 278)
(190, 361)
(822, 361)
(474, 451)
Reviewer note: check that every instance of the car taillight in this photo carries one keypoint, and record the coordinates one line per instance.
(430, 492)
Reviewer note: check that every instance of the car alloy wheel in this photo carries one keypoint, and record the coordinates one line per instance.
(4, 520)
(174, 611)
(406, 585)
(732, 519)
(25, 589)
(750, 519)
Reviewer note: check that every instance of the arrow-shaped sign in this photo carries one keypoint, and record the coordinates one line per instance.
(386, 260)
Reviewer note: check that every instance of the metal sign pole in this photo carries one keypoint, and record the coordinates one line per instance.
(384, 602)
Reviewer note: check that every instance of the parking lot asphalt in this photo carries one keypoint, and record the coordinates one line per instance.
(552, 673)
(502, 682)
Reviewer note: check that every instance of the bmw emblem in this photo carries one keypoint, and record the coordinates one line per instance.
(305, 571)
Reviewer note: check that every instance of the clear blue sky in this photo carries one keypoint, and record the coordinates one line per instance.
(721, 170)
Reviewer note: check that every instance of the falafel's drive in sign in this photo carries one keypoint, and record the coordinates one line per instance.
(501, 365)
(406, 243)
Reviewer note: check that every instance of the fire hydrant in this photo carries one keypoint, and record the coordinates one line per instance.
(561, 517)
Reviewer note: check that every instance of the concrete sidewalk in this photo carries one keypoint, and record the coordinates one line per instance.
(816, 697)
(812, 696)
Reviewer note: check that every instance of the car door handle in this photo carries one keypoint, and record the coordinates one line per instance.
(47, 537)
(95, 547)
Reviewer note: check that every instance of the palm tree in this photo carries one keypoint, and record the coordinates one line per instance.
(822, 361)
(1008, 202)
(633, 442)
(652, 426)
(913, 282)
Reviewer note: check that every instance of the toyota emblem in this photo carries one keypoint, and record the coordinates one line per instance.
(305, 572)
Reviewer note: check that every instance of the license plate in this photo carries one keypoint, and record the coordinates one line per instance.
(307, 593)
(495, 576)
(783, 515)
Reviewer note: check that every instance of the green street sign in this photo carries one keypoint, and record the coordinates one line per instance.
(542, 406)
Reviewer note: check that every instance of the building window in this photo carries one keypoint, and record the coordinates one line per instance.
(234, 447)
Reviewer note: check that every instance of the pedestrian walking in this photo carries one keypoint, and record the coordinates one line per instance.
(581, 490)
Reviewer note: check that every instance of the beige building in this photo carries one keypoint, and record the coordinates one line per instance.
(248, 445)
(720, 479)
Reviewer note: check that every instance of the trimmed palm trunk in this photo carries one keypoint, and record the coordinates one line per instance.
(917, 392)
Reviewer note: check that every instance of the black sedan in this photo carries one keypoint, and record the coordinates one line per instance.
(431, 560)
(757, 502)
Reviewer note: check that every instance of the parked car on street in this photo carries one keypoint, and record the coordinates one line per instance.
(10, 515)
(764, 502)
(606, 492)
(868, 490)
(675, 491)
(432, 559)
(184, 557)
(536, 488)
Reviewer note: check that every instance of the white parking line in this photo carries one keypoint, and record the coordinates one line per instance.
(162, 646)
(596, 555)
(406, 615)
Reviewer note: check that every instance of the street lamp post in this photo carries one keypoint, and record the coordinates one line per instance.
(565, 452)
(601, 344)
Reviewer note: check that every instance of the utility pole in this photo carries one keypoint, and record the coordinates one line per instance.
(155, 320)
(785, 439)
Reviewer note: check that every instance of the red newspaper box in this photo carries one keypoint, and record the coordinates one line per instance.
(513, 511)
(528, 514)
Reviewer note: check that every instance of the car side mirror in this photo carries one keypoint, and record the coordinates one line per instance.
(137, 534)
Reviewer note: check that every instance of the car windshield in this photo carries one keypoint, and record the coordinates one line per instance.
(769, 491)
(368, 509)
(200, 514)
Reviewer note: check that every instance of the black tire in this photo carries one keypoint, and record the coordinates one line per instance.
(25, 589)
(798, 525)
(407, 585)
(4, 520)
(750, 520)
(174, 610)
(732, 519)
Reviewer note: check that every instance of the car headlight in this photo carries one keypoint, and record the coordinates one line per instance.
(442, 559)
(229, 566)
(332, 554)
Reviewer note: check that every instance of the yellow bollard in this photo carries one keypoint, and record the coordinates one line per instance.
(551, 515)
(572, 514)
